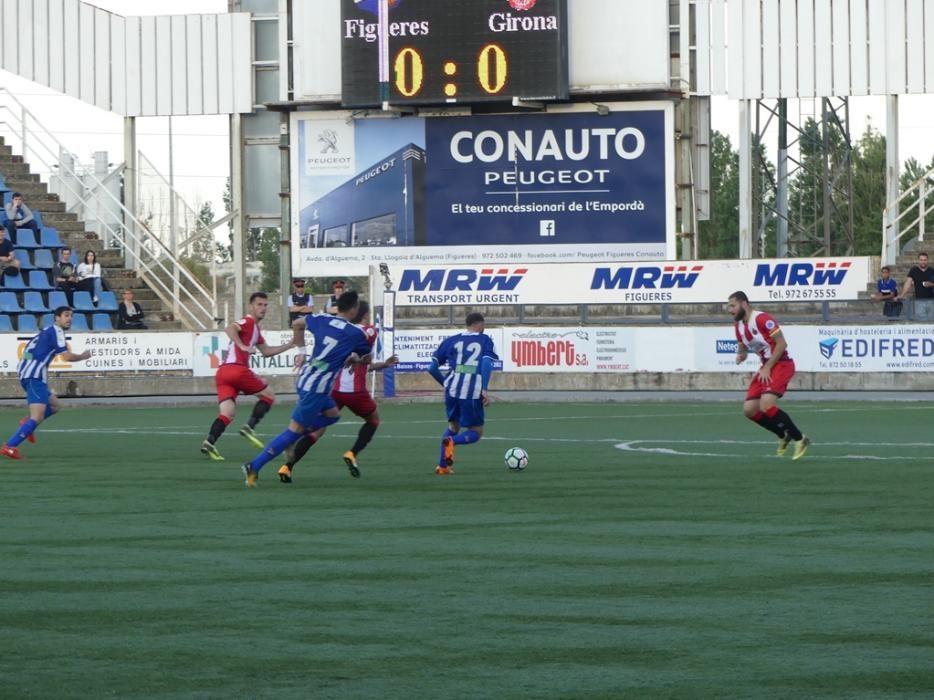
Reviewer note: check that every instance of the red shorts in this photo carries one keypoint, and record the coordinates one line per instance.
(778, 383)
(236, 379)
(359, 402)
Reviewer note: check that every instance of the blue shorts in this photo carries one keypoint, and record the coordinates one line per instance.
(310, 406)
(465, 412)
(37, 391)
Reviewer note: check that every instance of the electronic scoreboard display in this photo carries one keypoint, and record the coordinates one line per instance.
(455, 51)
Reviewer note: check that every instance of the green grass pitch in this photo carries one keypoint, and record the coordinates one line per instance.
(649, 551)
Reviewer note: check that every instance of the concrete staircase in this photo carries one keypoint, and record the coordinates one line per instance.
(73, 233)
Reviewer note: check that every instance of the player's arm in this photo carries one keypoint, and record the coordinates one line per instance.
(389, 362)
(765, 371)
(742, 352)
(486, 370)
(233, 332)
(298, 332)
(270, 351)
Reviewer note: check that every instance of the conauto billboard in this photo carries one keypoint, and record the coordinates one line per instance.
(574, 185)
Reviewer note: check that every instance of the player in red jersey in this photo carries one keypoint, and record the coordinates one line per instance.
(234, 376)
(349, 390)
(759, 332)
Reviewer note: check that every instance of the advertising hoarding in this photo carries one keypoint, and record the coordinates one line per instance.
(708, 281)
(569, 185)
(113, 352)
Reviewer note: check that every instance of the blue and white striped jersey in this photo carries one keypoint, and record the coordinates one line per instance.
(39, 353)
(335, 340)
(462, 353)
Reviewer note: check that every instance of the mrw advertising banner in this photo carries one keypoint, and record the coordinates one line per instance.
(569, 185)
(797, 279)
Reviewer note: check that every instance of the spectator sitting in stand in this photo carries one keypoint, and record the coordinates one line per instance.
(89, 275)
(65, 275)
(921, 280)
(130, 315)
(9, 263)
(19, 216)
(887, 293)
(338, 287)
(299, 303)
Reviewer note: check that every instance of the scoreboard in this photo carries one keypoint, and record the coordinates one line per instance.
(455, 51)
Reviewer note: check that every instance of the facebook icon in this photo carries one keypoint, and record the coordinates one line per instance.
(546, 228)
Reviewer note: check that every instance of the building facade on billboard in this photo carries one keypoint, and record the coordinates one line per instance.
(569, 185)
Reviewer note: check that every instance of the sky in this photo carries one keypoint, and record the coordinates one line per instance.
(201, 148)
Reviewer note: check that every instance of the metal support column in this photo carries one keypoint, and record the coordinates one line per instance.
(285, 228)
(781, 203)
(130, 175)
(745, 179)
(238, 206)
(891, 180)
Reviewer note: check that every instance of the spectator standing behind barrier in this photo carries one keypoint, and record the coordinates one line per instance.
(89, 275)
(19, 216)
(921, 280)
(66, 278)
(9, 263)
(887, 293)
(338, 288)
(130, 315)
(299, 303)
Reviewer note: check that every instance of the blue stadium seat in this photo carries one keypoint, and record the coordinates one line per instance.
(38, 279)
(5, 325)
(58, 298)
(24, 262)
(107, 301)
(79, 323)
(25, 238)
(17, 282)
(26, 323)
(43, 259)
(33, 303)
(102, 322)
(9, 304)
(47, 320)
(83, 302)
(50, 238)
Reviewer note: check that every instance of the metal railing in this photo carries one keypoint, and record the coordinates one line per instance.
(905, 218)
(158, 265)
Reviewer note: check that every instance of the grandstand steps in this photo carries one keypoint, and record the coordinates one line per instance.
(73, 232)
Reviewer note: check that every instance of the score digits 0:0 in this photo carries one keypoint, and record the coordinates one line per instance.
(492, 72)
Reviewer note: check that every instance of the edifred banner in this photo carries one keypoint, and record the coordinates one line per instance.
(708, 281)
(566, 186)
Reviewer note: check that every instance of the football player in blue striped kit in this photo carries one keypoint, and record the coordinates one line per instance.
(33, 370)
(469, 355)
(337, 342)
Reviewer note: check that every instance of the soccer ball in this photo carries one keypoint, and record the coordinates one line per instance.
(517, 459)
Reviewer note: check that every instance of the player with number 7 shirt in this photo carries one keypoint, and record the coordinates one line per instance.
(337, 343)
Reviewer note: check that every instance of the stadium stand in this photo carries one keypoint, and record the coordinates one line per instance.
(30, 295)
